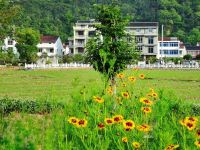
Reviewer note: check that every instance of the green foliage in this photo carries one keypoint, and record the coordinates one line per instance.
(8, 11)
(8, 105)
(27, 39)
(194, 36)
(187, 57)
(8, 57)
(109, 51)
(198, 57)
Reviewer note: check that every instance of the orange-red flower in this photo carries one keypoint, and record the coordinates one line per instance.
(125, 95)
(190, 126)
(128, 125)
(144, 128)
(118, 118)
(191, 119)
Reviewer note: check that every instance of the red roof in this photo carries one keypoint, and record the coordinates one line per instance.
(48, 39)
(168, 39)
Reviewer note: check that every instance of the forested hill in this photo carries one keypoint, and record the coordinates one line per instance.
(180, 17)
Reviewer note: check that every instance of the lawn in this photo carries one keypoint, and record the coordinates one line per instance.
(67, 110)
(62, 84)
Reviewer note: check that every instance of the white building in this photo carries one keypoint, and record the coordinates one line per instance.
(50, 49)
(170, 47)
(146, 37)
(83, 30)
(9, 43)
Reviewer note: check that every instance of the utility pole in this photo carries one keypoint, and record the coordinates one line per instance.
(162, 45)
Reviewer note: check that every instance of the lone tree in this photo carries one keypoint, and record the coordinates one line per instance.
(112, 48)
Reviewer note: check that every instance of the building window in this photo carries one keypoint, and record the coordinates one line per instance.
(150, 40)
(10, 42)
(51, 50)
(150, 30)
(139, 48)
(80, 50)
(91, 33)
(40, 50)
(138, 39)
(150, 49)
(138, 30)
(80, 32)
(180, 52)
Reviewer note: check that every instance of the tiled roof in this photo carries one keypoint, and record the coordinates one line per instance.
(136, 24)
(194, 48)
(48, 39)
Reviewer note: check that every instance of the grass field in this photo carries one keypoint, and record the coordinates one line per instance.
(62, 84)
(155, 113)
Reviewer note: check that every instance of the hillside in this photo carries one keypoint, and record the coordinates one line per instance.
(56, 17)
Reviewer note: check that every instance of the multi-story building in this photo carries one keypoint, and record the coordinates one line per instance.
(83, 30)
(9, 43)
(170, 47)
(50, 49)
(146, 37)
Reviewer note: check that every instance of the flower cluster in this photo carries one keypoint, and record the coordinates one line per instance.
(77, 122)
(189, 122)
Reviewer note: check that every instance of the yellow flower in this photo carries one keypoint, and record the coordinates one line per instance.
(182, 122)
(191, 119)
(144, 128)
(190, 126)
(132, 78)
(123, 84)
(73, 120)
(124, 139)
(125, 95)
(136, 145)
(82, 123)
(110, 90)
(146, 109)
(128, 125)
(98, 99)
(118, 118)
(155, 95)
(198, 133)
(120, 75)
(197, 143)
(146, 101)
(171, 147)
(141, 76)
(109, 121)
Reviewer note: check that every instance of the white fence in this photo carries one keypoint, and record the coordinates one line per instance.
(80, 65)
(48, 66)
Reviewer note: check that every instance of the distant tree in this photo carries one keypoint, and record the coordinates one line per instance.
(194, 36)
(78, 58)
(8, 11)
(27, 39)
(187, 57)
(110, 51)
(67, 59)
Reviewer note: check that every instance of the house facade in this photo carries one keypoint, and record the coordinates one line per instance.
(83, 30)
(50, 49)
(193, 50)
(170, 47)
(146, 37)
(10, 43)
